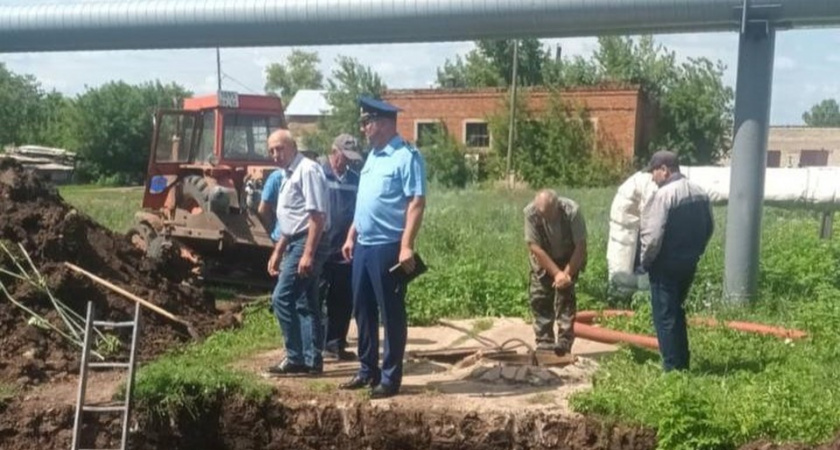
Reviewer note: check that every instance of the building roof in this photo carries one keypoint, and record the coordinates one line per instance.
(598, 88)
(309, 102)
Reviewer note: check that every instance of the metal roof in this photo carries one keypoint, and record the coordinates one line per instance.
(310, 103)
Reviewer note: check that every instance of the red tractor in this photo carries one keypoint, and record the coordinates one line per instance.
(206, 170)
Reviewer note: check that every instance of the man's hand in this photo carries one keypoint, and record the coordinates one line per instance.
(274, 263)
(407, 259)
(347, 249)
(305, 265)
(562, 280)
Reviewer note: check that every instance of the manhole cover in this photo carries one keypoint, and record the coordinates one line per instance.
(514, 374)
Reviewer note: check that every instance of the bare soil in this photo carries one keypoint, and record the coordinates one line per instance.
(33, 214)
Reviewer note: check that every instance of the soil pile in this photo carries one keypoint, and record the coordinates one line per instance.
(33, 214)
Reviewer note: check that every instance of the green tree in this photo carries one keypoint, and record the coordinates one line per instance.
(56, 122)
(696, 113)
(20, 108)
(556, 147)
(349, 81)
(824, 114)
(300, 71)
(113, 126)
(490, 64)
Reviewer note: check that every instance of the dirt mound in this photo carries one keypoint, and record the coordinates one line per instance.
(33, 214)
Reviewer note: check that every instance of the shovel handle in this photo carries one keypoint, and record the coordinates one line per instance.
(125, 293)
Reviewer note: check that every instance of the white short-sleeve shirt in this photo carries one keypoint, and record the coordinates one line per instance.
(304, 190)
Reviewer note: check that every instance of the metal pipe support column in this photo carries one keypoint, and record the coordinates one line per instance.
(746, 193)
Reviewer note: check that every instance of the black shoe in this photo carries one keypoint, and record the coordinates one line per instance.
(340, 355)
(357, 382)
(287, 368)
(315, 371)
(344, 355)
(383, 391)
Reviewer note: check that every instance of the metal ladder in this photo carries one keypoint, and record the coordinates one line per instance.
(125, 408)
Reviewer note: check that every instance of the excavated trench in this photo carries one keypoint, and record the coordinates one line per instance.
(316, 423)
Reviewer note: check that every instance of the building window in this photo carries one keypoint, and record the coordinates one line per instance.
(425, 131)
(774, 158)
(813, 158)
(477, 134)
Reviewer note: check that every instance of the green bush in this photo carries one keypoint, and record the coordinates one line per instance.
(446, 162)
(559, 146)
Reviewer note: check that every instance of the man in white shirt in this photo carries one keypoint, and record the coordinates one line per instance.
(298, 256)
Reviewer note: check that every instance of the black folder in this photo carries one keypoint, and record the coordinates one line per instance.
(406, 277)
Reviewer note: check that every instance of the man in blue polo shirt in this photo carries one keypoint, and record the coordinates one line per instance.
(389, 211)
(342, 185)
(267, 209)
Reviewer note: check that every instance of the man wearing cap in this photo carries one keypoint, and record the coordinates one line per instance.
(676, 226)
(389, 211)
(298, 256)
(342, 185)
(555, 233)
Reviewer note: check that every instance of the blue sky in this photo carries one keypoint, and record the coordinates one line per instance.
(807, 68)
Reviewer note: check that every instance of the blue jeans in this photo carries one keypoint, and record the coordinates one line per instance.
(669, 288)
(295, 305)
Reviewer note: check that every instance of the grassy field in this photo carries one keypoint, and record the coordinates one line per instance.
(740, 387)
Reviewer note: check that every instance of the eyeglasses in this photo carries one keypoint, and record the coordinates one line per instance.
(364, 121)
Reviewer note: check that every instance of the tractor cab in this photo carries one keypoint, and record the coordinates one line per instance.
(207, 166)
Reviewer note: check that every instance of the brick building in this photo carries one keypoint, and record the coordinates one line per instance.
(620, 114)
(796, 146)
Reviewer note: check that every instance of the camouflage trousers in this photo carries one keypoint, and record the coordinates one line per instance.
(550, 305)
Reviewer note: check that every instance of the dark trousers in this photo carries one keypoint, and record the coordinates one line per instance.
(375, 290)
(338, 298)
(669, 288)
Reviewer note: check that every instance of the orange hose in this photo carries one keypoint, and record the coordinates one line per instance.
(584, 329)
(609, 336)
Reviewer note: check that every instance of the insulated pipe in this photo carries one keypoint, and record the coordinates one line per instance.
(42, 25)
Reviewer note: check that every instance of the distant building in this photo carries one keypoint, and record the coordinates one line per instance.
(304, 111)
(54, 164)
(801, 146)
(620, 114)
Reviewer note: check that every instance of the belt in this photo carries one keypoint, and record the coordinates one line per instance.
(296, 236)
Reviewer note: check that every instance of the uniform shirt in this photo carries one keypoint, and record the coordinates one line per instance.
(342, 192)
(390, 176)
(304, 190)
(558, 237)
(270, 191)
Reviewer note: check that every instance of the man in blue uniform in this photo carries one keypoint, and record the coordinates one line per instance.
(342, 185)
(389, 211)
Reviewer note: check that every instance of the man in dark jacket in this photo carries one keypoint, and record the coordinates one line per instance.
(676, 226)
(342, 186)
